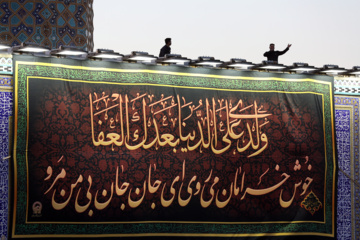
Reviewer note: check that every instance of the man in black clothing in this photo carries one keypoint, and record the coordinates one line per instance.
(273, 55)
(165, 49)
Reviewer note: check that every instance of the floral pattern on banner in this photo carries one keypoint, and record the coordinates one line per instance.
(293, 126)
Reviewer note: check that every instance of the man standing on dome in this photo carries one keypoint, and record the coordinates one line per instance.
(273, 55)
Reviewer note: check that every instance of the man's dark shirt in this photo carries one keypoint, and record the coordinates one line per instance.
(164, 50)
(273, 55)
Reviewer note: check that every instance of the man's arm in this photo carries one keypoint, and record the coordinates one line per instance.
(284, 51)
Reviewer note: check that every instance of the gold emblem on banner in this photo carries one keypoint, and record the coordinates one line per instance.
(311, 203)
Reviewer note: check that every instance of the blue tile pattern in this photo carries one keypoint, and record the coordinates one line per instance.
(342, 123)
(347, 138)
(4, 198)
(23, 21)
(6, 104)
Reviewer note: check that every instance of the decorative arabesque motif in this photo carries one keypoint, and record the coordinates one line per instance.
(48, 23)
(311, 203)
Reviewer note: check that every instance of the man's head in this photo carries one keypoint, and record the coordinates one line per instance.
(272, 47)
(168, 41)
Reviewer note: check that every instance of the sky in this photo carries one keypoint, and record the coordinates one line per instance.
(320, 31)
